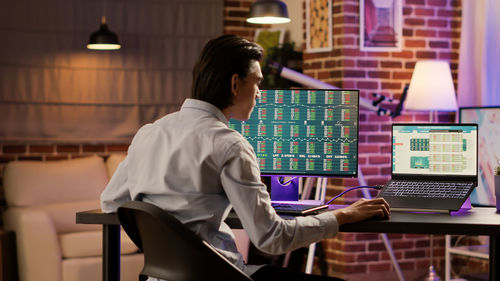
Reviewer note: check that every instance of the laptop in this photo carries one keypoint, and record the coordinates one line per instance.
(434, 167)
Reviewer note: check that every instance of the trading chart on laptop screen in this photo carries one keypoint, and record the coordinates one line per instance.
(304, 132)
(434, 149)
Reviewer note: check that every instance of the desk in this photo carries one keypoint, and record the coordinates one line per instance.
(478, 221)
(110, 240)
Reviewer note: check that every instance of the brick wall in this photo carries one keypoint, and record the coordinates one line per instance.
(235, 14)
(48, 152)
(431, 30)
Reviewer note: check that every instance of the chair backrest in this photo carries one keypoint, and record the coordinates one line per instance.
(171, 250)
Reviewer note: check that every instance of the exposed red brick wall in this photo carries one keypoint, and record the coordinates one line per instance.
(47, 152)
(431, 30)
(235, 14)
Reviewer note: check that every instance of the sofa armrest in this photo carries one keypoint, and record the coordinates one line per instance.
(38, 250)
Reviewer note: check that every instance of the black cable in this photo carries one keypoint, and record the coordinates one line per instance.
(378, 187)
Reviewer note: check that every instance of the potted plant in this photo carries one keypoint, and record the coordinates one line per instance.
(285, 55)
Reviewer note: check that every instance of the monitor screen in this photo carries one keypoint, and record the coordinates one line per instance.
(307, 132)
(488, 120)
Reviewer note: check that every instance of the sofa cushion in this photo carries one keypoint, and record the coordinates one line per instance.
(90, 268)
(89, 244)
(32, 183)
(62, 216)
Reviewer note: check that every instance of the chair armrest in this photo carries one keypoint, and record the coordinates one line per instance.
(38, 249)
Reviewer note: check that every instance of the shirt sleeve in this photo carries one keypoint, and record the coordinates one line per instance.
(116, 192)
(269, 232)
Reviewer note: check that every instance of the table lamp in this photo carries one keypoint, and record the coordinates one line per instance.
(431, 88)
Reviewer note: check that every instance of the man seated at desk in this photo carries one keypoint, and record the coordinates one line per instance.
(193, 165)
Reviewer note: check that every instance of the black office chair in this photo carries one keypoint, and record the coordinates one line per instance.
(171, 250)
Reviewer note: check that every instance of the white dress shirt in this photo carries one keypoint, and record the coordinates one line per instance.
(193, 165)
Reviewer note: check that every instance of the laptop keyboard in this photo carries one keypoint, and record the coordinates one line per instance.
(426, 189)
(297, 209)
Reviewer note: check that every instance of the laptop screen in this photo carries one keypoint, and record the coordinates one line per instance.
(434, 149)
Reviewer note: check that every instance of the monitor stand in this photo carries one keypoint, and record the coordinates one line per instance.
(284, 192)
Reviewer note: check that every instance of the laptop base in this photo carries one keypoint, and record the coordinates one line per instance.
(406, 208)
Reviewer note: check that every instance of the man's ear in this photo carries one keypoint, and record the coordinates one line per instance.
(234, 83)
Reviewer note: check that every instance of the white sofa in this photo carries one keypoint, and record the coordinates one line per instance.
(42, 199)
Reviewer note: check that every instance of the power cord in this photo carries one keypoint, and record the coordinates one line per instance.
(378, 187)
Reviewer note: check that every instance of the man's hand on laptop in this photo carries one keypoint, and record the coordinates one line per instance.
(363, 209)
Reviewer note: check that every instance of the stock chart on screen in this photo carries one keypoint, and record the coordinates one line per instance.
(308, 132)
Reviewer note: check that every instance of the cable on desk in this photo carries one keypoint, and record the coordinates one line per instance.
(378, 187)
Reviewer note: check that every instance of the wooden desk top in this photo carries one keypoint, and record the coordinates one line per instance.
(96, 217)
(477, 221)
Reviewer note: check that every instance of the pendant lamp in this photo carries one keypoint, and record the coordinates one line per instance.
(103, 39)
(268, 12)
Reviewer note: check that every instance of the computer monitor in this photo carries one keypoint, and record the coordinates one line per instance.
(488, 120)
(304, 132)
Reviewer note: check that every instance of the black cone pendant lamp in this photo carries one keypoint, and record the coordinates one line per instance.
(103, 39)
(268, 12)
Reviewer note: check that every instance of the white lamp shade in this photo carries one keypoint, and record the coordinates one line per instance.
(431, 87)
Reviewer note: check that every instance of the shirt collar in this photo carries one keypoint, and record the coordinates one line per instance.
(205, 106)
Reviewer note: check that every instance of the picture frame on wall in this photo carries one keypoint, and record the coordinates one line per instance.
(380, 25)
(319, 35)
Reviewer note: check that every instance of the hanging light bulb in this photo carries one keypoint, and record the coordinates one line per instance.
(103, 39)
(268, 12)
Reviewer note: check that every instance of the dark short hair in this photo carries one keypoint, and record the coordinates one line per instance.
(219, 60)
